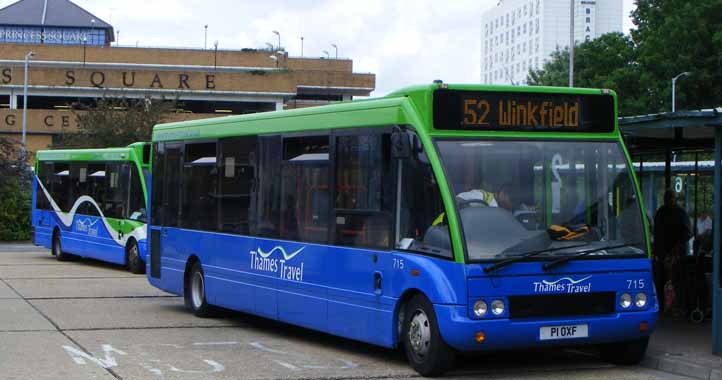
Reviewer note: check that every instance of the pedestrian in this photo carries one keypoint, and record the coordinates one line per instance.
(672, 230)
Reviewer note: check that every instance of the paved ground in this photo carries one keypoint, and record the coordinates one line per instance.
(88, 320)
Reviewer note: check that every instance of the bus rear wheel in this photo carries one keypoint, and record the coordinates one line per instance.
(624, 353)
(425, 350)
(57, 249)
(135, 264)
(195, 292)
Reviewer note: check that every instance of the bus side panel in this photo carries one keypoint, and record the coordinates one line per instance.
(303, 276)
(99, 241)
(442, 281)
(229, 282)
(360, 305)
(173, 259)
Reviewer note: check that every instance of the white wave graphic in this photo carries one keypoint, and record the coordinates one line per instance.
(571, 281)
(139, 233)
(287, 256)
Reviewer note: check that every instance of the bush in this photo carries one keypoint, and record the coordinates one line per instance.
(15, 205)
(15, 193)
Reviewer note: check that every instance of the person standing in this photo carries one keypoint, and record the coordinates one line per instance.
(672, 230)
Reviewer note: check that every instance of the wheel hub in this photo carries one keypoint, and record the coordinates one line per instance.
(419, 334)
(197, 291)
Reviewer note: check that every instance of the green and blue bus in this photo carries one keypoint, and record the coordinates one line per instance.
(439, 218)
(92, 203)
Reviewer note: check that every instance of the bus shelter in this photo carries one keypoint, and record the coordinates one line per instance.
(683, 151)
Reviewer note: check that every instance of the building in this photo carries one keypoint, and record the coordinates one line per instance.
(518, 35)
(65, 76)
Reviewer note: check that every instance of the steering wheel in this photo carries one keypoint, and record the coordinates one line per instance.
(471, 203)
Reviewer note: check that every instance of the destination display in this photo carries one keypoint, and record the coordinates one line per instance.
(505, 111)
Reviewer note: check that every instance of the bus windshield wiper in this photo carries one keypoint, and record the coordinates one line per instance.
(527, 255)
(564, 259)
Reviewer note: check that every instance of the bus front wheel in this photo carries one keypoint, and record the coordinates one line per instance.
(195, 292)
(625, 353)
(425, 350)
(57, 249)
(135, 264)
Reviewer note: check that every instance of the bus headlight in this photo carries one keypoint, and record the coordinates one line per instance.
(625, 300)
(640, 300)
(480, 308)
(497, 307)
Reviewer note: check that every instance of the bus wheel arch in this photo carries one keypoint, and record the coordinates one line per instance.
(132, 257)
(56, 246)
(399, 314)
(424, 347)
(194, 289)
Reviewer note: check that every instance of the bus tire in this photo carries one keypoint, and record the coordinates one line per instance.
(624, 353)
(132, 258)
(57, 249)
(424, 347)
(195, 292)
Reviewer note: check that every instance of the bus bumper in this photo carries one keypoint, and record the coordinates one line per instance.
(459, 331)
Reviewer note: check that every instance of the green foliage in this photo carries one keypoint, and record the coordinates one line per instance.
(672, 36)
(606, 62)
(15, 194)
(116, 122)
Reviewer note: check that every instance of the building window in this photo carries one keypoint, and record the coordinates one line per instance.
(589, 19)
(589, 11)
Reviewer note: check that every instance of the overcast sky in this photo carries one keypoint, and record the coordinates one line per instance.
(402, 41)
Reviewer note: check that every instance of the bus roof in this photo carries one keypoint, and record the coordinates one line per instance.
(104, 154)
(399, 107)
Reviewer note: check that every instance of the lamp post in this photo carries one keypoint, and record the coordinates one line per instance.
(571, 43)
(336, 48)
(215, 55)
(327, 55)
(279, 38)
(28, 57)
(674, 81)
(85, 40)
(301, 47)
(205, 36)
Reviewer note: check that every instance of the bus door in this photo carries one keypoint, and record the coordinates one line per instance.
(166, 180)
(304, 217)
(364, 184)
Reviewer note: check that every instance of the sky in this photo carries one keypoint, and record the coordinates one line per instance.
(403, 42)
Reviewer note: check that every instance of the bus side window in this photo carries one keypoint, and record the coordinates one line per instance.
(45, 173)
(61, 185)
(236, 184)
(423, 225)
(199, 207)
(136, 208)
(270, 155)
(305, 199)
(365, 190)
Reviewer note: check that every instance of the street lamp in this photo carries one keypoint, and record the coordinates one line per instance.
(279, 38)
(270, 46)
(336, 48)
(85, 40)
(274, 58)
(674, 80)
(327, 55)
(28, 57)
(215, 55)
(301, 47)
(205, 37)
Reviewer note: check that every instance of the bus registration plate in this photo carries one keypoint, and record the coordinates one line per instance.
(564, 332)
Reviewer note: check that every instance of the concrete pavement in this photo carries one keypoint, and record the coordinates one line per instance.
(89, 320)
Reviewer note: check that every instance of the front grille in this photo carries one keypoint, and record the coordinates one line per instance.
(558, 305)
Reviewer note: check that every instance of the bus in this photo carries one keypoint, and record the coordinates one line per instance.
(92, 203)
(439, 219)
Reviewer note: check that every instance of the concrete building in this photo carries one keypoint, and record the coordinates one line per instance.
(517, 35)
(66, 76)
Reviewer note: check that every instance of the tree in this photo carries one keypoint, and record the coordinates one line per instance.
(674, 36)
(606, 62)
(15, 179)
(116, 122)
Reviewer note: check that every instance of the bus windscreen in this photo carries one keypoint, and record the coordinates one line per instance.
(522, 111)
